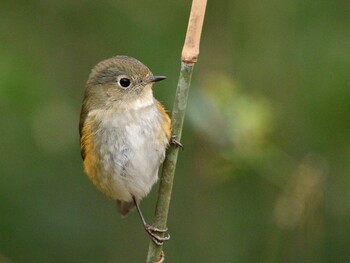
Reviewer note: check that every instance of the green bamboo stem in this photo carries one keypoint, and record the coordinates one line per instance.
(189, 57)
(169, 165)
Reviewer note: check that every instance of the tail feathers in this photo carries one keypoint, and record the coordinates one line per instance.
(125, 207)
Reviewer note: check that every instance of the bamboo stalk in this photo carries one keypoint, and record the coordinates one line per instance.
(189, 57)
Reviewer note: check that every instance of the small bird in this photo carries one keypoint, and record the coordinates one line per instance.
(124, 133)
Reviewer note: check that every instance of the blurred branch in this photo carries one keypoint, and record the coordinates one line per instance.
(189, 57)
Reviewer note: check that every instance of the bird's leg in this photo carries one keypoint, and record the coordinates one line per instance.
(151, 231)
(175, 142)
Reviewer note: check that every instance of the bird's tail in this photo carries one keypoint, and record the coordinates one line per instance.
(125, 207)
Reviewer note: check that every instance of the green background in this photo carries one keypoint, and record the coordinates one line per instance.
(265, 172)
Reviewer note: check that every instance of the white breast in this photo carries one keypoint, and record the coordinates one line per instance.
(131, 145)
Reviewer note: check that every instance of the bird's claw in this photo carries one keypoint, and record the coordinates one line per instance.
(158, 240)
(175, 142)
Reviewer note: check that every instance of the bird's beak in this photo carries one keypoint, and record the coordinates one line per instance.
(157, 78)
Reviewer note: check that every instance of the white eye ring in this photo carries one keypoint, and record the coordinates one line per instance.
(124, 81)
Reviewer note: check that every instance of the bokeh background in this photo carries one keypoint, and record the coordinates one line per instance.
(265, 172)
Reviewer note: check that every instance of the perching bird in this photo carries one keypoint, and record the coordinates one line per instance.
(124, 133)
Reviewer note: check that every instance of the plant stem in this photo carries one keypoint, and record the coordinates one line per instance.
(169, 165)
(189, 57)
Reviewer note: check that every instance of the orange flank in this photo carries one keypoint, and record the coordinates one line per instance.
(90, 159)
(167, 122)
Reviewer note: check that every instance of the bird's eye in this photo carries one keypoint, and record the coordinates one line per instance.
(124, 82)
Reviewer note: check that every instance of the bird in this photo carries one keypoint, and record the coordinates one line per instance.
(124, 133)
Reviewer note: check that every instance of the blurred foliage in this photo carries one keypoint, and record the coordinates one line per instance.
(264, 177)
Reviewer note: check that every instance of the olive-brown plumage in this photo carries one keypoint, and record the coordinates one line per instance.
(124, 132)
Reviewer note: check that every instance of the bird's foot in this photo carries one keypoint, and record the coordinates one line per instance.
(175, 142)
(152, 232)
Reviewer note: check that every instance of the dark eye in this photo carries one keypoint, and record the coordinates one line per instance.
(124, 82)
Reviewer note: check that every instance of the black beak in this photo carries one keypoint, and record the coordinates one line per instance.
(157, 78)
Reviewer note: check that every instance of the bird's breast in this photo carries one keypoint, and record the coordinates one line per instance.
(124, 148)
